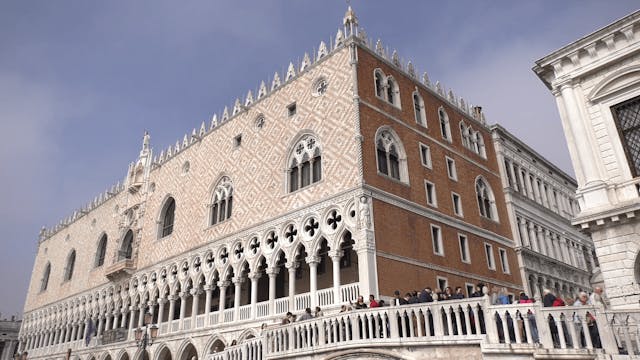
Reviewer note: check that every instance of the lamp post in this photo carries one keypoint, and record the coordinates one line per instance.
(145, 335)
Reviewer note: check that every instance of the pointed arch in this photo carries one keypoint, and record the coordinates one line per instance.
(44, 282)
(418, 109)
(71, 264)
(304, 162)
(126, 247)
(101, 250)
(486, 199)
(167, 217)
(445, 128)
(221, 206)
(393, 91)
(163, 352)
(391, 157)
(215, 344)
(465, 134)
(379, 83)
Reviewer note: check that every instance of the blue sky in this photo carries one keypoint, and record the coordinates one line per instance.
(81, 80)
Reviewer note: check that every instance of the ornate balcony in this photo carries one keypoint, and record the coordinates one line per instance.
(122, 268)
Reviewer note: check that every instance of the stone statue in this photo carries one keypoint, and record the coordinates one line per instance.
(365, 213)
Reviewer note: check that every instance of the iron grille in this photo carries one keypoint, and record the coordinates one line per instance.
(627, 118)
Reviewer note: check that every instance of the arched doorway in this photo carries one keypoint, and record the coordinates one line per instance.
(189, 353)
(216, 347)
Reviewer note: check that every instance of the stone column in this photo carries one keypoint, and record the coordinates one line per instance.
(67, 334)
(223, 299)
(521, 184)
(367, 272)
(124, 323)
(514, 179)
(292, 266)
(237, 282)
(536, 191)
(172, 308)
(254, 293)
(100, 322)
(183, 306)
(524, 234)
(533, 237)
(108, 324)
(195, 293)
(141, 315)
(542, 240)
(116, 316)
(132, 317)
(313, 262)
(207, 302)
(529, 185)
(74, 332)
(549, 241)
(273, 274)
(336, 255)
(161, 302)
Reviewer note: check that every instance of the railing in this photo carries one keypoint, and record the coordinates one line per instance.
(228, 315)
(302, 301)
(175, 325)
(200, 321)
(213, 318)
(244, 312)
(625, 326)
(249, 350)
(186, 324)
(262, 309)
(282, 305)
(349, 292)
(324, 297)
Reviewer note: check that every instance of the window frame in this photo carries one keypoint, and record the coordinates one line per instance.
(457, 205)
(306, 162)
(428, 163)
(431, 194)
(442, 279)
(467, 259)
(164, 229)
(488, 252)
(438, 240)
(101, 251)
(420, 115)
(504, 260)
(445, 124)
(69, 269)
(452, 172)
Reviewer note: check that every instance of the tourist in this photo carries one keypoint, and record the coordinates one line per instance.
(479, 290)
(426, 295)
(372, 302)
(524, 299)
(381, 303)
(288, 318)
(318, 312)
(360, 303)
(306, 315)
(397, 300)
(438, 294)
(458, 294)
(598, 298)
(548, 298)
(448, 292)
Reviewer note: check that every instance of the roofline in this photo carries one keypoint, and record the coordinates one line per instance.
(520, 143)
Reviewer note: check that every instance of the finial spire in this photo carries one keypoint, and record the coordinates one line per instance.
(350, 22)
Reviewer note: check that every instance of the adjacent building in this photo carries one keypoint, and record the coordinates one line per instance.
(9, 337)
(540, 199)
(596, 83)
(346, 175)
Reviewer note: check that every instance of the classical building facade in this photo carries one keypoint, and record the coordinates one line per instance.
(9, 337)
(540, 199)
(347, 175)
(596, 83)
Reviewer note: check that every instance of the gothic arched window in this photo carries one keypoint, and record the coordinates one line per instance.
(393, 91)
(126, 250)
(445, 130)
(101, 251)
(222, 202)
(45, 277)
(167, 217)
(379, 83)
(390, 155)
(305, 163)
(486, 200)
(71, 263)
(418, 108)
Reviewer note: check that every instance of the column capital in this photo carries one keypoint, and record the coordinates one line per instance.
(162, 301)
(333, 254)
(209, 287)
(312, 259)
(184, 294)
(292, 265)
(273, 271)
(238, 280)
(195, 291)
(172, 297)
(255, 275)
(224, 284)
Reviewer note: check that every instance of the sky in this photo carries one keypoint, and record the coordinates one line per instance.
(80, 81)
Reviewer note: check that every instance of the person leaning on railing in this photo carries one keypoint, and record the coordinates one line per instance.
(583, 300)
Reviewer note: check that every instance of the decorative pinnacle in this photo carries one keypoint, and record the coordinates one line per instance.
(350, 17)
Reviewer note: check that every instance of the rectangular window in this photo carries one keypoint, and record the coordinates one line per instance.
(442, 282)
(464, 248)
(291, 109)
(470, 289)
(504, 261)
(430, 189)
(436, 238)
(451, 168)
(425, 155)
(457, 204)
(488, 249)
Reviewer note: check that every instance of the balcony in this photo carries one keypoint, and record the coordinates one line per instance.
(122, 268)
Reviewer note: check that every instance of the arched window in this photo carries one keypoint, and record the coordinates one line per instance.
(167, 217)
(486, 200)
(305, 163)
(444, 124)
(480, 141)
(474, 142)
(418, 109)
(126, 250)
(393, 91)
(45, 277)
(379, 83)
(222, 202)
(71, 263)
(466, 136)
(390, 155)
(101, 251)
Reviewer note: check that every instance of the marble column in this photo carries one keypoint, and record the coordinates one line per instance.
(313, 262)
(335, 256)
